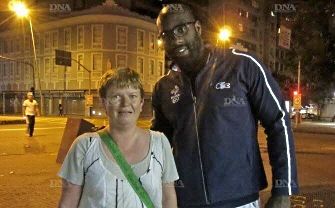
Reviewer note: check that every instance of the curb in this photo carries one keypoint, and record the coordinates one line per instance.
(264, 149)
(8, 122)
(311, 131)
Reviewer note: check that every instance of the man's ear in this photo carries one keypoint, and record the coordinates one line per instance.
(197, 26)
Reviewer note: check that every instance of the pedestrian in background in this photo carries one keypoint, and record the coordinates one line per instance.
(30, 110)
(209, 105)
(60, 109)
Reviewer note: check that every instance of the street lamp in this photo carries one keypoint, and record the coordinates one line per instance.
(21, 10)
(224, 34)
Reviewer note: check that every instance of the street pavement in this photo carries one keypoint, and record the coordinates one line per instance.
(28, 168)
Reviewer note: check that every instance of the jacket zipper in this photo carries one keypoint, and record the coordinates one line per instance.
(198, 143)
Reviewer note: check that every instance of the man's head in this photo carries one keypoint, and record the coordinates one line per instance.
(180, 33)
(30, 96)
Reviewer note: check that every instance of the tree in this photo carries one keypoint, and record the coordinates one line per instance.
(314, 44)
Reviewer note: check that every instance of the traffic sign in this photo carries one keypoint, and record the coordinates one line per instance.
(63, 57)
(297, 101)
(89, 100)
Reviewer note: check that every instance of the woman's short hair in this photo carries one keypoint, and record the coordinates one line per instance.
(120, 78)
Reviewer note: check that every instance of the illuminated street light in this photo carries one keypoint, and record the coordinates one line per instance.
(295, 92)
(19, 8)
(224, 34)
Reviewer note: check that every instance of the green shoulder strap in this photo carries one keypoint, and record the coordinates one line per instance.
(126, 169)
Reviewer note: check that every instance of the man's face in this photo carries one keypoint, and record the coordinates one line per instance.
(30, 97)
(180, 35)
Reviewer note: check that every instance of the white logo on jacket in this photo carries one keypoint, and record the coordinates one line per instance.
(175, 94)
(222, 85)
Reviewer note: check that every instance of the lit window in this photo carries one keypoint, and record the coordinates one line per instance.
(80, 59)
(140, 65)
(67, 37)
(47, 41)
(46, 66)
(55, 39)
(140, 40)
(160, 68)
(97, 62)
(121, 60)
(97, 35)
(152, 41)
(152, 67)
(121, 37)
(80, 40)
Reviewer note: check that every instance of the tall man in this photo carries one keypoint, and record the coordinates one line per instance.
(209, 105)
(30, 110)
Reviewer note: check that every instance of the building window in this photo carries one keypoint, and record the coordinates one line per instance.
(5, 69)
(54, 66)
(27, 44)
(152, 67)
(17, 70)
(140, 40)
(160, 68)
(121, 60)
(240, 27)
(37, 42)
(46, 67)
(140, 65)
(47, 41)
(67, 38)
(97, 31)
(54, 39)
(152, 40)
(121, 37)
(11, 68)
(80, 59)
(80, 38)
(28, 70)
(97, 62)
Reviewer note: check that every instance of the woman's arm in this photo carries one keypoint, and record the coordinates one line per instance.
(70, 195)
(169, 195)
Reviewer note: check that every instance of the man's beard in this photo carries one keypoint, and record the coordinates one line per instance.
(189, 62)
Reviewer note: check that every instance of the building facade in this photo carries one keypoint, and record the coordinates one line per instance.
(254, 27)
(101, 38)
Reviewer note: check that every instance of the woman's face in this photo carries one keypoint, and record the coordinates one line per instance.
(123, 105)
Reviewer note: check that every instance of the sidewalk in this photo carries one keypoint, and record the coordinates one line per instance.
(12, 120)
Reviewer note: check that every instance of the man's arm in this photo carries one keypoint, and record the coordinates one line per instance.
(70, 196)
(268, 106)
(24, 111)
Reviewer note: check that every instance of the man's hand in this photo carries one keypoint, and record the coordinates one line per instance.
(278, 202)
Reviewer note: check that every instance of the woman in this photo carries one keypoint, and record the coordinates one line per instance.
(92, 178)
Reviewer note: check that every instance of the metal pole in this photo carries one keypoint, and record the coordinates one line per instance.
(299, 76)
(36, 66)
(89, 75)
(3, 103)
(64, 78)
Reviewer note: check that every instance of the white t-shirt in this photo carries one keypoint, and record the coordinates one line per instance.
(30, 107)
(104, 185)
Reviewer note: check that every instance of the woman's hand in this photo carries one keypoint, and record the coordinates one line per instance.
(70, 195)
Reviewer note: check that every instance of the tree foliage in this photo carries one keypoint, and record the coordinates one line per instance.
(314, 44)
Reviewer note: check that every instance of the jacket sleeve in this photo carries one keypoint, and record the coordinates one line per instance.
(159, 121)
(269, 107)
